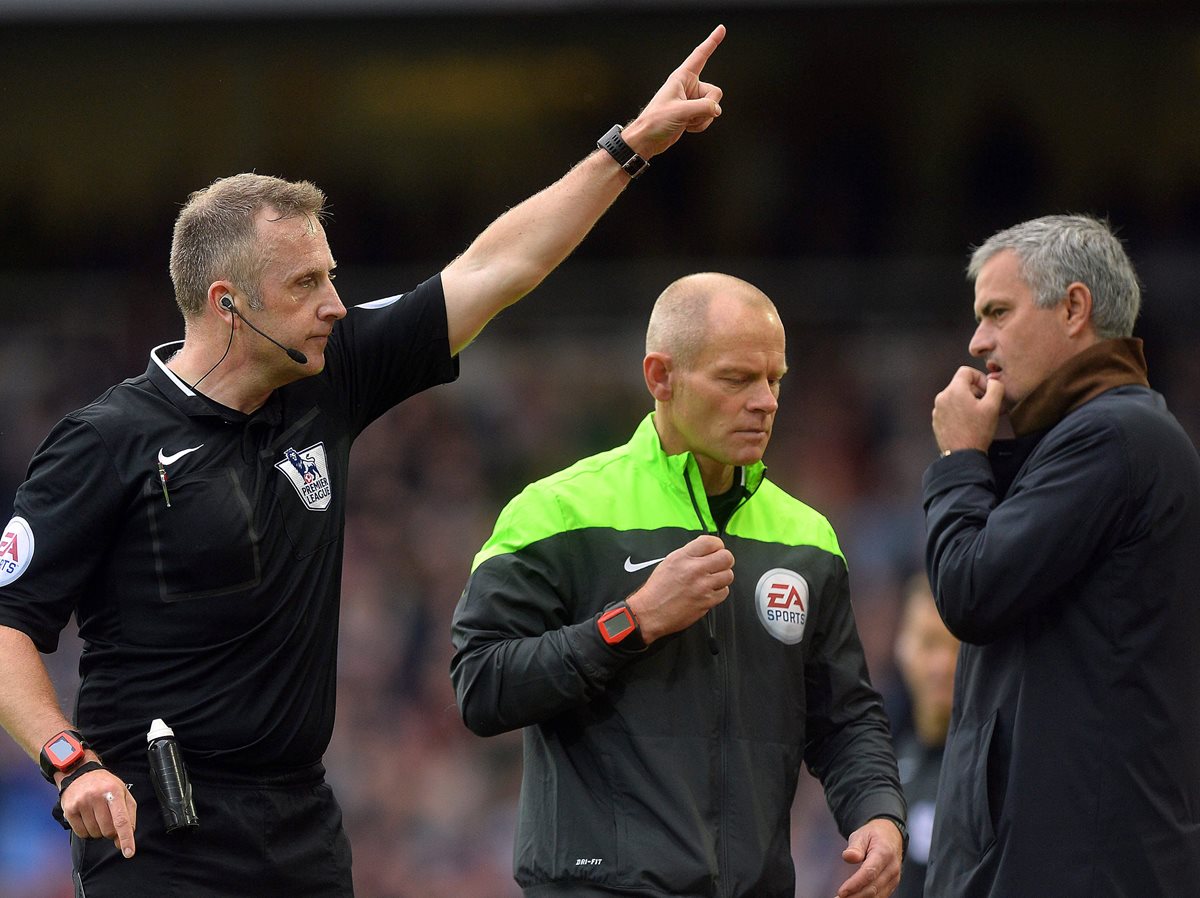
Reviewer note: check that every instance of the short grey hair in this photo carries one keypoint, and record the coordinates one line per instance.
(215, 236)
(1056, 250)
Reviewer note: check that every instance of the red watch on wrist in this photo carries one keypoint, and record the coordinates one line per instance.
(617, 623)
(61, 752)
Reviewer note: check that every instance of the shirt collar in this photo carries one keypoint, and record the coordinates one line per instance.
(647, 443)
(189, 400)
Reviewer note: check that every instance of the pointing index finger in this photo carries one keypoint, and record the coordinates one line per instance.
(695, 62)
(124, 817)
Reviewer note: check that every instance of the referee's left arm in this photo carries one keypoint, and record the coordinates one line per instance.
(97, 804)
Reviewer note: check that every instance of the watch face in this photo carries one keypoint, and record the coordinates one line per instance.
(617, 624)
(63, 751)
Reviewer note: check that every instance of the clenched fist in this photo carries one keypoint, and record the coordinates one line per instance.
(684, 586)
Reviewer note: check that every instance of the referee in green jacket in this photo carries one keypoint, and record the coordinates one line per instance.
(668, 703)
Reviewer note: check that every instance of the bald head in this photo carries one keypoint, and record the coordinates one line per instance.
(680, 323)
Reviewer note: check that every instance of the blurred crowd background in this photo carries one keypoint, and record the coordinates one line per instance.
(864, 148)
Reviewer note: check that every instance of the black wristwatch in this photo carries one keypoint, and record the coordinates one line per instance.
(616, 146)
(61, 753)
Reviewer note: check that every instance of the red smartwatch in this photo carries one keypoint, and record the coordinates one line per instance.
(62, 752)
(617, 623)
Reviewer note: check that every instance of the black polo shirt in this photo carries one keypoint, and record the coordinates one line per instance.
(217, 612)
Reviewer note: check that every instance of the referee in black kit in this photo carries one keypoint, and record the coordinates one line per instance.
(192, 520)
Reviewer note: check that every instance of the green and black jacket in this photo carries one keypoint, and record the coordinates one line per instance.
(669, 770)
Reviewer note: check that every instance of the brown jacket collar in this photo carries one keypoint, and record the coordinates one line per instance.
(1095, 370)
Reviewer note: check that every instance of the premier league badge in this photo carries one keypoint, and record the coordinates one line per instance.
(309, 474)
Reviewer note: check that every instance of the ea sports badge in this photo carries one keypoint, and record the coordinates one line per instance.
(781, 599)
(16, 550)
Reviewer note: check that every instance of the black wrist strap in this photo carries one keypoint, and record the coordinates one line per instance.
(85, 767)
(900, 825)
(614, 144)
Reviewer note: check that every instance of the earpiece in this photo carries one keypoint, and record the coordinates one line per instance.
(226, 303)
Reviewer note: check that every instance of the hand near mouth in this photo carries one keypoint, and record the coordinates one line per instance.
(967, 412)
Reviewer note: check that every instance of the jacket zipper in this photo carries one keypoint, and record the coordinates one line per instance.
(714, 647)
(709, 626)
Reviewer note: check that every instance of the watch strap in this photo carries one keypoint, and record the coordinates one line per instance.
(85, 767)
(614, 144)
(57, 811)
(900, 825)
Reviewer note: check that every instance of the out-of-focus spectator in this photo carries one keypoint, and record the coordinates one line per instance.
(926, 656)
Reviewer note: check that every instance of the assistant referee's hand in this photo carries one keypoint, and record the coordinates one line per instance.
(684, 586)
(99, 805)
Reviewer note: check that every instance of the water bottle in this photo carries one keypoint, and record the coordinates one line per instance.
(170, 778)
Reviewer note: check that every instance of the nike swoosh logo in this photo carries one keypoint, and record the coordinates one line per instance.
(171, 459)
(631, 565)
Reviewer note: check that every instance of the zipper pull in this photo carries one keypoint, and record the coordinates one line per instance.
(162, 478)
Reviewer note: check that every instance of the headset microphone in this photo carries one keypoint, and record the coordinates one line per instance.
(294, 354)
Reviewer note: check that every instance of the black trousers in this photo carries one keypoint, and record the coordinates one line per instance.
(255, 840)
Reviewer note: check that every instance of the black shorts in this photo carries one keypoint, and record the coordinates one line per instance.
(254, 840)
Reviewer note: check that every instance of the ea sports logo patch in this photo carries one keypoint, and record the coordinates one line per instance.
(781, 599)
(308, 471)
(16, 550)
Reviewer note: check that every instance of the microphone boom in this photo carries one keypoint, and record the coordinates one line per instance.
(294, 354)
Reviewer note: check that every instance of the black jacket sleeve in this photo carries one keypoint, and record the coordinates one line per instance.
(990, 561)
(521, 656)
(849, 746)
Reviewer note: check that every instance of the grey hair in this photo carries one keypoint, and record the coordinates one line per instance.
(1057, 250)
(215, 235)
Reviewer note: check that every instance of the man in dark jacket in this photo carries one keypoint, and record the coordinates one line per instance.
(668, 703)
(1067, 560)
